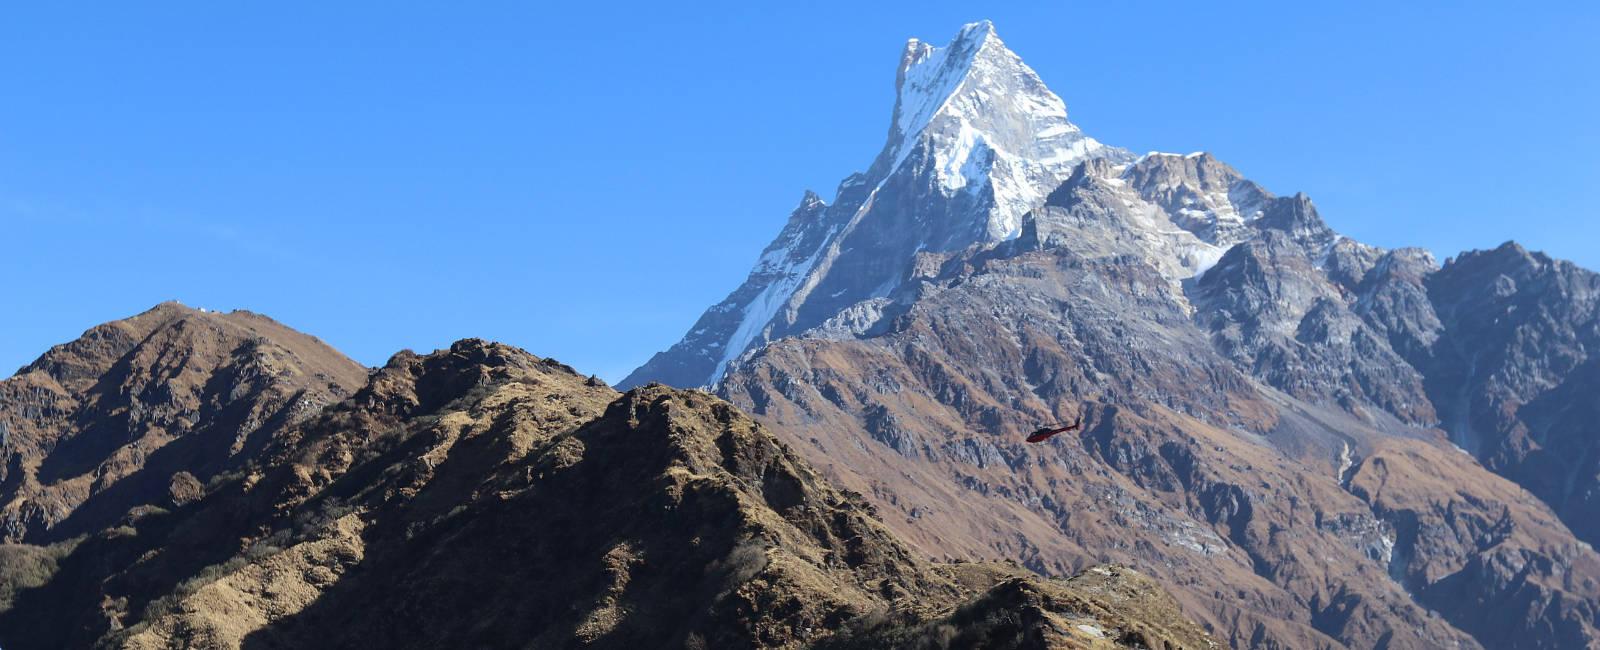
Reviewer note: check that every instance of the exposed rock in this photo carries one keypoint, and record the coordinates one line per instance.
(1515, 371)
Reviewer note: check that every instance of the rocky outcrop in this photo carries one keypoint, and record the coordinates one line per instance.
(1514, 372)
(1277, 307)
(1494, 563)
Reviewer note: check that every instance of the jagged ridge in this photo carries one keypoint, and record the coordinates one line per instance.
(482, 496)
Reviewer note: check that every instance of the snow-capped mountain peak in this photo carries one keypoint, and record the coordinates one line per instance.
(988, 123)
(930, 75)
(975, 142)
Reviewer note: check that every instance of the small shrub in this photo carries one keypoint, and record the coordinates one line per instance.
(744, 562)
(23, 566)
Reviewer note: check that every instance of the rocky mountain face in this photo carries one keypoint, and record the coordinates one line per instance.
(1514, 369)
(483, 497)
(1248, 502)
(149, 408)
(1275, 415)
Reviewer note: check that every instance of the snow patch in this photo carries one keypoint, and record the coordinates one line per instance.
(1092, 630)
(1206, 259)
(766, 304)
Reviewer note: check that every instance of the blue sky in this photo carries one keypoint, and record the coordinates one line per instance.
(584, 181)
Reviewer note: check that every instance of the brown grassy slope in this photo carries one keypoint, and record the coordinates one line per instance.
(483, 497)
(108, 421)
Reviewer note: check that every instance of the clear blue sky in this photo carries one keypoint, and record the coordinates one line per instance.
(582, 182)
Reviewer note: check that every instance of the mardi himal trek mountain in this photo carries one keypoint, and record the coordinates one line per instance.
(1312, 441)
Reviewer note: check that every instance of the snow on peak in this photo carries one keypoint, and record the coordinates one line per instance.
(976, 142)
(987, 122)
(930, 75)
(976, 62)
(978, 30)
(810, 201)
(1167, 154)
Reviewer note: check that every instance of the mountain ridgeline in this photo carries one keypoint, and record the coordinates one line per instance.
(474, 497)
(1314, 442)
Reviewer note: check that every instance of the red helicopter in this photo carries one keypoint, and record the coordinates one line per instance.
(1044, 434)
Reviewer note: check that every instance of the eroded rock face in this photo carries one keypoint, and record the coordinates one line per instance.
(1257, 505)
(1237, 361)
(107, 422)
(484, 497)
(1504, 341)
(1274, 306)
(1229, 408)
(1487, 553)
(1514, 372)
